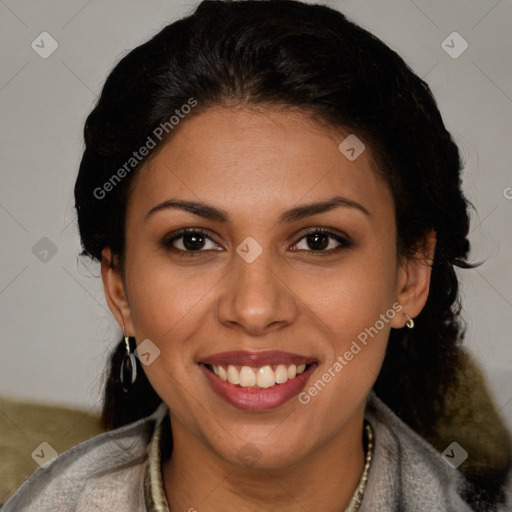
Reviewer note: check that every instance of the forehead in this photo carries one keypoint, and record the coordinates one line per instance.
(259, 160)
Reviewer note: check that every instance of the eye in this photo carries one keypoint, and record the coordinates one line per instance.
(190, 240)
(317, 240)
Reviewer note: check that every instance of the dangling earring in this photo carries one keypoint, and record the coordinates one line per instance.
(409, 321)
(128, 373)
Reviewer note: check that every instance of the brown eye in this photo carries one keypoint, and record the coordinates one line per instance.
(195, 241)
(190, 240)
(319, 240)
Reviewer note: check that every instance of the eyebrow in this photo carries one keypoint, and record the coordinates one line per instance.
(210, 212)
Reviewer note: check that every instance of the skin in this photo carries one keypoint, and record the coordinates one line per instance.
(255, 164)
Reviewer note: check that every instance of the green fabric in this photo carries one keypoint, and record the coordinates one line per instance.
(471, 418)
(24, 425)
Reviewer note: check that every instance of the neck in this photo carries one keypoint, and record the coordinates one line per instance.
(197, 477)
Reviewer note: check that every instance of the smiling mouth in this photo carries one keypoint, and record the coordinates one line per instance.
(262, 377)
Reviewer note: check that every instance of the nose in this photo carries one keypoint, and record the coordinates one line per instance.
(256, 296)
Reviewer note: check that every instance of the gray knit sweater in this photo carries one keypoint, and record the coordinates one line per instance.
(106, 473)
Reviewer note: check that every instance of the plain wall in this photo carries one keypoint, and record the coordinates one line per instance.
(56, 328)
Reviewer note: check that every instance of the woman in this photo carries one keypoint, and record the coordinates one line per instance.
(277, 208)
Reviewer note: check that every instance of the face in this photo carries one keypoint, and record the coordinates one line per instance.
(262, 279)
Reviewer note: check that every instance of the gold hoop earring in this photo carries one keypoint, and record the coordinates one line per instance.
(409, 321)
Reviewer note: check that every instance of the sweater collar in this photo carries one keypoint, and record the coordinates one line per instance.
(154, 494)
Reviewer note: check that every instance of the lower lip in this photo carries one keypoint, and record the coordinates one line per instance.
(258, 399)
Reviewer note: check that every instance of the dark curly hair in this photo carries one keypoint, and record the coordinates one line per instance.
(288, 53)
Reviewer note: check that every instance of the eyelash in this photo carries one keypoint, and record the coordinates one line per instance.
(344, 241)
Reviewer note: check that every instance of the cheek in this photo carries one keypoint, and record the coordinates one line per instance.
(165, 299)
(358, 336)
(353, 296)
(168, 307)
(354, 308)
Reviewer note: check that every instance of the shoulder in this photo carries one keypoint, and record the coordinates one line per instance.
(104, 473)
(407, 473)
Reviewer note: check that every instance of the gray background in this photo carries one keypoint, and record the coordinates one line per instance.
(56, 327)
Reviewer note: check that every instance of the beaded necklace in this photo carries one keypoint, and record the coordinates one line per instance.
(155, 495)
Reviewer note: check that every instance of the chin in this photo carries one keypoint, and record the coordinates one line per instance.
(263, 455)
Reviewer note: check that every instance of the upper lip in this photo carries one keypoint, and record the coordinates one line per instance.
(256, 359)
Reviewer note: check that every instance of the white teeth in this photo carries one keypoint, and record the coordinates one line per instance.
(264, 377)
(281, 374)
(233, 376)
(247, 377)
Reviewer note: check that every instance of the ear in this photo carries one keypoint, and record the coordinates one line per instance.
(115, 292)
(413, 280)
